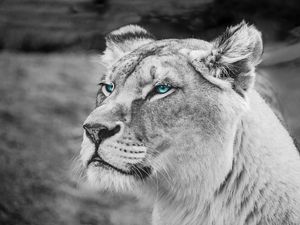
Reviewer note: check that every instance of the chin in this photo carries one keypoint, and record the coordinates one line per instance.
(104, 179)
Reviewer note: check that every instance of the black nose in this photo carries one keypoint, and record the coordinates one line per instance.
(98, 132)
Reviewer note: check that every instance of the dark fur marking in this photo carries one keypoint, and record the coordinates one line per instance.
(246, 199)
(236, 184)
(240, 177)
(253, 213)
(120, 38)
(153, 72)
(225, 182)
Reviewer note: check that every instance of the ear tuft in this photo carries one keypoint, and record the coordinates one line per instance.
(124, 40)
(241, 42)
(231, 58)
(238, 51)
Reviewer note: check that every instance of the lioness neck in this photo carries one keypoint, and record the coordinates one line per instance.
(261, 188)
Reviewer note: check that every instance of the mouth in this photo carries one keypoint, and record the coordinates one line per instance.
(138, 171)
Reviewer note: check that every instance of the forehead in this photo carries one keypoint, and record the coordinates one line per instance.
(154, 60)
(155, 69)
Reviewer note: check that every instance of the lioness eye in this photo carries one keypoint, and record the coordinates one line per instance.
(162, 88)
(107, 89)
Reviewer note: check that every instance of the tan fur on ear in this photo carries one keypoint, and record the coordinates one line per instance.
(233, 57)
(241, 42)
(124, 40)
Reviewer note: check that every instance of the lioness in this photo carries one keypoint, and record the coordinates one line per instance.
(179, 120)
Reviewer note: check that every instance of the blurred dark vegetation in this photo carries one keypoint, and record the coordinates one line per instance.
(46, 97)
(60, 25)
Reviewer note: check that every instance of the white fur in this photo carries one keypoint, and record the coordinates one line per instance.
(229, 160)
(269, 157)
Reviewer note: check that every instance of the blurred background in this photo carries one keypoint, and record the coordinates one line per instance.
(48, 85)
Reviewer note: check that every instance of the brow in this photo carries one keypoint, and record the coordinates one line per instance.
(165, 79)
(132, 60)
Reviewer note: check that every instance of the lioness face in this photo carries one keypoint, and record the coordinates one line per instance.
(158, 118)
(155, 121)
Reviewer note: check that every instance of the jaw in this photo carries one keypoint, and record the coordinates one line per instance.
(110, 180)
(105, 178)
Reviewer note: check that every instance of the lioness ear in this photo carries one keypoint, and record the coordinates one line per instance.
(233, 57)
(124, 40)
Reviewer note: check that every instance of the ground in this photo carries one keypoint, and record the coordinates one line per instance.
(44, 101)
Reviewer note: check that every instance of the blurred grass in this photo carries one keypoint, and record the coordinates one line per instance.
(44, 100)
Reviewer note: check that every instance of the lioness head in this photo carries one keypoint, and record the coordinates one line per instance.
(167, 110)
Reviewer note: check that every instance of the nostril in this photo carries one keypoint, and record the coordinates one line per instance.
(98, 132)
(103, 134)
(93, 130)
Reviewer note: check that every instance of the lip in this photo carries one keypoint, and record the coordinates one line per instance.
(136, 171)
(99, 162)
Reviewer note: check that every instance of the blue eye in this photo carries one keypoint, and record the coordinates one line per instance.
(109, 88)
(162, 88)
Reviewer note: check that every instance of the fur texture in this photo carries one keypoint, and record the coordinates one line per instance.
(209, 150)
